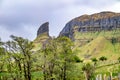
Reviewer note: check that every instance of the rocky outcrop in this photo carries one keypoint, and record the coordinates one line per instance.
(44, 28)
(95, 22)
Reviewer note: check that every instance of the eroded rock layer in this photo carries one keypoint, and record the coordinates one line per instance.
(95, 22)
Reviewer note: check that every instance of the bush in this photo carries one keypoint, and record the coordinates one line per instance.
(77, 59)
(113, 40)
(94, 60)
(119, 59)
(103, 58)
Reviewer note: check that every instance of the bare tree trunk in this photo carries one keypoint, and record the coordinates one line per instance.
(25, 71)
(64, 72)
(20, 68)
(44, 73)
(86, 76)
(51, 68)
(28, 71)
(44, 69)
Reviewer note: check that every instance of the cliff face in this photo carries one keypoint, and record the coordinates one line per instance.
(95, 22)
(44, 28)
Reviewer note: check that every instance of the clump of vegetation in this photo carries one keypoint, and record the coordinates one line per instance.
(103, 58)
(113, 40)
(94, 60)
(77, 59)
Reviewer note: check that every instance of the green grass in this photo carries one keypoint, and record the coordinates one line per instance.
(92, 35)
(38, 75)
(107, 69)
(97, 44)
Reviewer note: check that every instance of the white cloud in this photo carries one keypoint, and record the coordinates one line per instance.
(115, 7)
(31, 31)
(4, 33)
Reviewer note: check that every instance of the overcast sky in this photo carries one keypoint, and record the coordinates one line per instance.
(23, 17)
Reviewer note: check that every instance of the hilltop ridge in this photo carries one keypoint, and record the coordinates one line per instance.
(95, 22)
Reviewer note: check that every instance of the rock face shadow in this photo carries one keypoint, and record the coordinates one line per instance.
(44, 28)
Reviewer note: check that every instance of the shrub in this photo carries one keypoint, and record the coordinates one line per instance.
(77, 59)
(113, 40)
(94, 60)
(103, 58)
(119, 59)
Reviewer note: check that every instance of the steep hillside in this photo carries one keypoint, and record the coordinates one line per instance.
(97, 44)
(97, 48)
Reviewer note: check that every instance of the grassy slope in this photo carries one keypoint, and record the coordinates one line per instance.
(39, 40)
(97, 44)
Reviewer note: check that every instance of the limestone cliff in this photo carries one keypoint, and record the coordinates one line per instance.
(95, 22)
(44, 28)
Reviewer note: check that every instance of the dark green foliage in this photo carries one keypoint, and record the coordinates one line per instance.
(113, 40)
(77, 59)
(94, 60)
(103, 58)
(18, 58)
(88, 41)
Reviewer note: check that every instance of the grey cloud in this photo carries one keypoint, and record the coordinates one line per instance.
(19, 15)
(96, 3)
